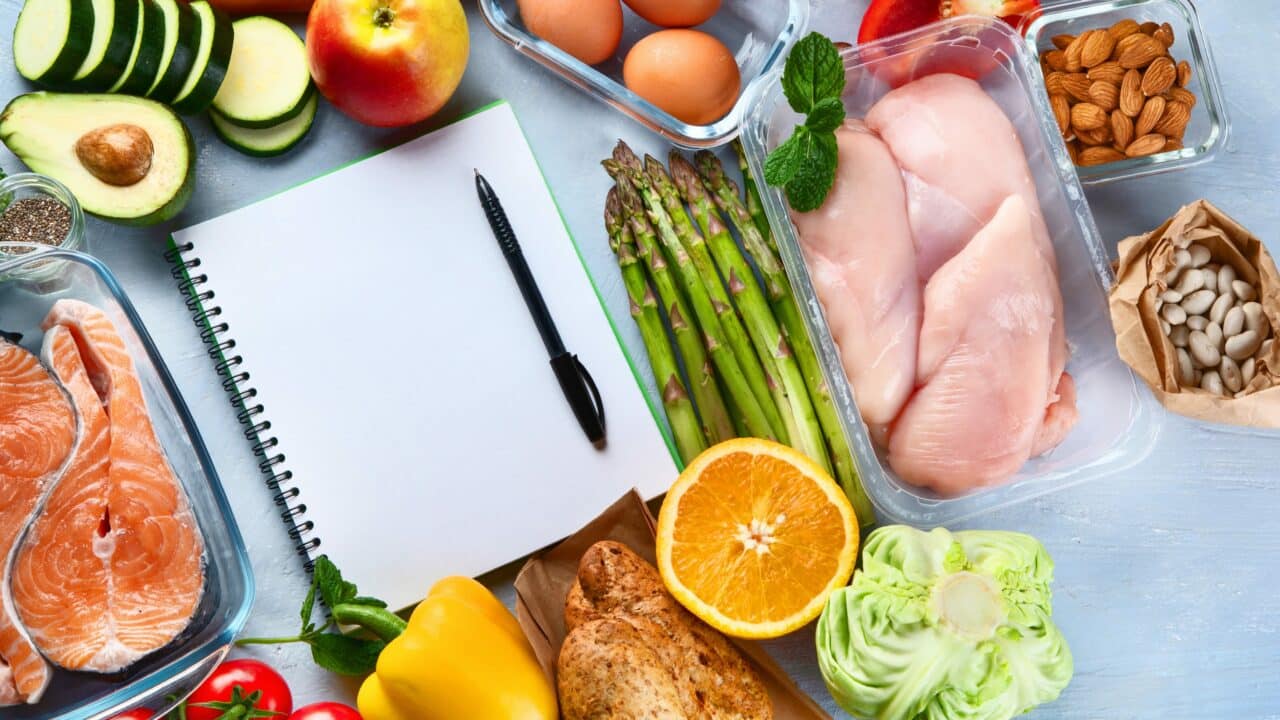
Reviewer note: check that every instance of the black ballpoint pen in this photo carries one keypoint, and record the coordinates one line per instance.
(575, 382)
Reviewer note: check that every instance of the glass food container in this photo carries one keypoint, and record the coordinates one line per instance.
(758, 32)
(23, 186)
(1117, 425)
(1208, 129)
(174, 671)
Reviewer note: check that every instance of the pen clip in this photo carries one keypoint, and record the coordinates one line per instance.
(595, 392)
(584, 397)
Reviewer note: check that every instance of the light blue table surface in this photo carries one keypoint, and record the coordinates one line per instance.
(1168, 576)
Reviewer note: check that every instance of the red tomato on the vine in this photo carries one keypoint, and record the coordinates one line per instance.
(241, 689)
(325, 711)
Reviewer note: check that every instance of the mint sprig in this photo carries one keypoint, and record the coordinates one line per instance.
(805, 164)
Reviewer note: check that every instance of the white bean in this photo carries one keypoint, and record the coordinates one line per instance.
(1197, 377)
(1212, 382)
(1233, 324)
(1172, 296)
(1173, 314)
(1165, 327)
(1186, 372)
(1218, 311)
(1200, 255)
(1210, 279)
(1243, 345)
(1247, 370)
(1198, 302)
(1190, 282)
(1202, 351)
(1226, 276)
(1267, 347)
(1229, 371)
(1244, 290)
(1159, 304)
(1180, 336)
(1197, 322)
(1213, 331)
(1181, 259)
(1254, 318)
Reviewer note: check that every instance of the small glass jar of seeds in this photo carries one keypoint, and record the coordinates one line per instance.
(37, 210)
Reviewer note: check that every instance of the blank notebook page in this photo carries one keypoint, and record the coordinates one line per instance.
(401, 371)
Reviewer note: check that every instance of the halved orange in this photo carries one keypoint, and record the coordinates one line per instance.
(754, 536)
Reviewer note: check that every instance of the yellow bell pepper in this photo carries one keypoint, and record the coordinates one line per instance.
(462, 657)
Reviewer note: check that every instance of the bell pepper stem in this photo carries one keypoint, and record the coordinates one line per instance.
(381, 622)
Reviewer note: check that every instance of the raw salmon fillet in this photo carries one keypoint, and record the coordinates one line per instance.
(113, 568)
(38, 435)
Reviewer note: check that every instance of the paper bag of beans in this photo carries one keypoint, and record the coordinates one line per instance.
(1193, 306)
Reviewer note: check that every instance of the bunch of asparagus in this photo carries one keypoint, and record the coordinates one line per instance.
(735, 328)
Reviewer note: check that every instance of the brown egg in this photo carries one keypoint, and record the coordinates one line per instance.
(688, 73)
(675, 13)
(586, 29)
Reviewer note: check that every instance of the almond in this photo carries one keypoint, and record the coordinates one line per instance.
(1056, 59)
(1073, 150)
(1172, 144)
(1061, 111)
(1121, 128)
(1124, 28)
(1053, 83)
(1184, 74)
(1131, 99)
(1123, 45)
(1098, 136)
(1141, 53)
(1164, 35)
(1109, 71)
(1062, 41)
(1173, 123)
(1151, 113)
(1077, 86)
(1097, 48)
(1181, 95)
(1087, 116)
(1099, 155)
(1104, 95)
(1159, 76)
(1145, 145)
(1149, 27)
(1072, 53)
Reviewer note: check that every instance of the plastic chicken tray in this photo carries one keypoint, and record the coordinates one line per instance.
(1117, 426)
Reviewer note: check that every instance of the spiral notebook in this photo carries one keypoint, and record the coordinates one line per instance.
(389, 374)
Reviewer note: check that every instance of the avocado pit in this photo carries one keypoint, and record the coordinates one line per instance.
(118, 154)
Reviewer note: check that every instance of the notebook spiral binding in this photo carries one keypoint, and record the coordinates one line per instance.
(229, 366)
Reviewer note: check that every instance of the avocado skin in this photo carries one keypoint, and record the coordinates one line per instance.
(177, 201)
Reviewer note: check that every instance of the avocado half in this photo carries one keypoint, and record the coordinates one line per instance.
(43, 128)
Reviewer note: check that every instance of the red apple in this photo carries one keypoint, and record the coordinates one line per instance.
(387, 62)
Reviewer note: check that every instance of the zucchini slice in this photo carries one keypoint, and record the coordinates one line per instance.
(145, 66)
(115, 23)
(52, 39)
(212, 57)
(182, 38)
(266, 142)
(268, 80)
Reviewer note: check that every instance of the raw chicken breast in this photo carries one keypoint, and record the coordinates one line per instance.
(860, 255)
(987, 363)
(960, 158)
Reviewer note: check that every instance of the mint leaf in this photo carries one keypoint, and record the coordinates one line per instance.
(309, 606)
(784, 162)
(345, 655)
(813, 72)
(808, 189)
(333, 589)
(826, 116)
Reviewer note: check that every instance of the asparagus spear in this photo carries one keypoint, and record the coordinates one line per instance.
(791, 395)
(754, 206)
(702, 382)
(761, 371)
(722, 357)
(644, 309)
(785, 307)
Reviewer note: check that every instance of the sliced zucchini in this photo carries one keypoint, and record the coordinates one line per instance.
(268, 80)
(179, 52)
(212, 57)
(115, 23)
(266, 142)
(52, 39)
(145, 65)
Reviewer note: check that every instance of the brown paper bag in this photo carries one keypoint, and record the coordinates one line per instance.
(544, 582)
(1144, 261)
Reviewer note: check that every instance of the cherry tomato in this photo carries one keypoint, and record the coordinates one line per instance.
(245, 684)
(135, 714)
(325, 711)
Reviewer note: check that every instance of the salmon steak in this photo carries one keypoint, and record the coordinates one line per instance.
(112, 569)
(38, 437)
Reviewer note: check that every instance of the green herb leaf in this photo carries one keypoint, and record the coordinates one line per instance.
(784, 162)
(826, 116)
(813, 72)
(333, 589)
(367, 601)
(346, 655)
(309, 606)
(808, 189)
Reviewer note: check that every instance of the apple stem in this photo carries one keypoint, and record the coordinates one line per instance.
(384, 16)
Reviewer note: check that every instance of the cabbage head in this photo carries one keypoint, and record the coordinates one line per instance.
(944, 626)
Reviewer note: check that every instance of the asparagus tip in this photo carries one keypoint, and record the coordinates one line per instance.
(710, 165)
(625, 155)
(613, 211)
(684, 175)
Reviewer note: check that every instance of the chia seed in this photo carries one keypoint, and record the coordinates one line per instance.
(41, 220)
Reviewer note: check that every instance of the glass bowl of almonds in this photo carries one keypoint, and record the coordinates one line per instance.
(1132, 84)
